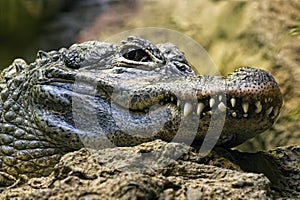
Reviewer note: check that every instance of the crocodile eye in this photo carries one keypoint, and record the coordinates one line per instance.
(138, 55)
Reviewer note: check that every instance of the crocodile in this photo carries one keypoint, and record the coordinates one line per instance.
(97, 94)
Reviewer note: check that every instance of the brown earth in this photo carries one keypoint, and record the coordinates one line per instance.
(160, 170)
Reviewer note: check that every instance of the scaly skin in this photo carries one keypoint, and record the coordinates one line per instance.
(98, 94)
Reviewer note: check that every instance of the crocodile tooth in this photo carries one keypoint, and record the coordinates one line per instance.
(233, 114)
(269, 110)
(222, 107)
(245, 106)
(200, 108)
(211, 102)
(258, 107)
(172, 99)
(270, 99)
(245, 115)
(178, 103)
(276, 109)
(220, 97)
(276, 116)
(209, 112)
(187, 109)
(232, 101)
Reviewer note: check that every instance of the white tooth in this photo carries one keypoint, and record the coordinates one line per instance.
(222, 107)
(258, 107)
(232, 101)
(172, 98)
(178, 103)
(209, 112)
(266, 100)
(269, 110)
(276, 109)
(187, 109)
(233, 114)
(211, 102)
(220, 98)
(200, 108)
(276, 118)
(245, 106)
(245, 115)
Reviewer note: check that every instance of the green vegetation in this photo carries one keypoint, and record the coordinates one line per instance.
(293, 114)
(295, 30)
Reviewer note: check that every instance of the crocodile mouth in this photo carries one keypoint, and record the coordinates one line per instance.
(144, 110)
(75, 105)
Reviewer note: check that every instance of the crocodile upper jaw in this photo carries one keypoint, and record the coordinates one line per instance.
(142, 108)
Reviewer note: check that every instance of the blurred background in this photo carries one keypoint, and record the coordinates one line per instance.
(29, 25)
(235, 33)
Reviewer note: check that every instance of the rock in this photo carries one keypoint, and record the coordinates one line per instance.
(280, 165)
(154, 170)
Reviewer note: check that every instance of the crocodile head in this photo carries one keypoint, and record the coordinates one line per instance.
(98, 93)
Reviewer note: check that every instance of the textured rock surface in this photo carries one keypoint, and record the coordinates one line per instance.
(133, 173)
(281, 166)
